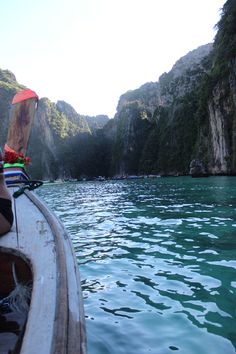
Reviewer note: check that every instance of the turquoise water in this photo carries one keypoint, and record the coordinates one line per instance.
(157, 260)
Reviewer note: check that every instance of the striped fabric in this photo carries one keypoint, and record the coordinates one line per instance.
(14, 175)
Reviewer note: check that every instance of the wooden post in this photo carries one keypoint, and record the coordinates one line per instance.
(22, 114)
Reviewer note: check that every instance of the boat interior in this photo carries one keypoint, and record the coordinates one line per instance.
(15, 276)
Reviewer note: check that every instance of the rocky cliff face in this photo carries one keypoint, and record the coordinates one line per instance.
(218, 133)
(185, 76)
(132, 127)
(8, 88)
(97, 122)
(190, 110)
(167, 107)
(53, 128)
(76, 122)
(232, 85)
(189, 115)
(219, 98)
(147, 96)
(222, 126)
(43, 144)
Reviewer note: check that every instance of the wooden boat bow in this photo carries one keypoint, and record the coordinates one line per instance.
(55, 321)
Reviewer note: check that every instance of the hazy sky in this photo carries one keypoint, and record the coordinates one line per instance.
(89, 52)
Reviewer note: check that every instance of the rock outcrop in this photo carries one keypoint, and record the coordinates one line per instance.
(198, 169)
(168, 106)
(187, 117)
(54, 129)
(190, 110)
(218, 133)
(97, 122)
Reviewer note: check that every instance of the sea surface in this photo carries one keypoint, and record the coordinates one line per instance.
(157, 259)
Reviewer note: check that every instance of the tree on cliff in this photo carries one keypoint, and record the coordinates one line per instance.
(225, 40)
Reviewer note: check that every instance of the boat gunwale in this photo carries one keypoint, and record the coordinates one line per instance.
(62, 341)
(67, 329)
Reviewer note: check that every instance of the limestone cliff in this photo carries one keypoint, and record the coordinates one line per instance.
(96, 122)
(76, 123)
(188, 115)
(148, 96)
(218, 127)
(8, 88)
(218, 133)
(164, 112)
(54, 126)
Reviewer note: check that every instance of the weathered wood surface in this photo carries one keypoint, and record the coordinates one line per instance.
(21, 119)
(32, 236)
(76, 325)
(56, 320)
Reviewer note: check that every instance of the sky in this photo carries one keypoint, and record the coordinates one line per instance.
(90, 52)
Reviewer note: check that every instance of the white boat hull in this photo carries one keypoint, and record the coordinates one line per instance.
(55, 321)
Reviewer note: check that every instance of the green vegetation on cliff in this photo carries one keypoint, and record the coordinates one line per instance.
(8, 88)
(133, 128)
(190, 113)
(225, 40)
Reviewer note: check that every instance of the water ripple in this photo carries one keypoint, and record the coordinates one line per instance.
(157, 261)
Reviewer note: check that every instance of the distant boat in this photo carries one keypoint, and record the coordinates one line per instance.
(134, 177)
(100, 179)
(41, 305)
